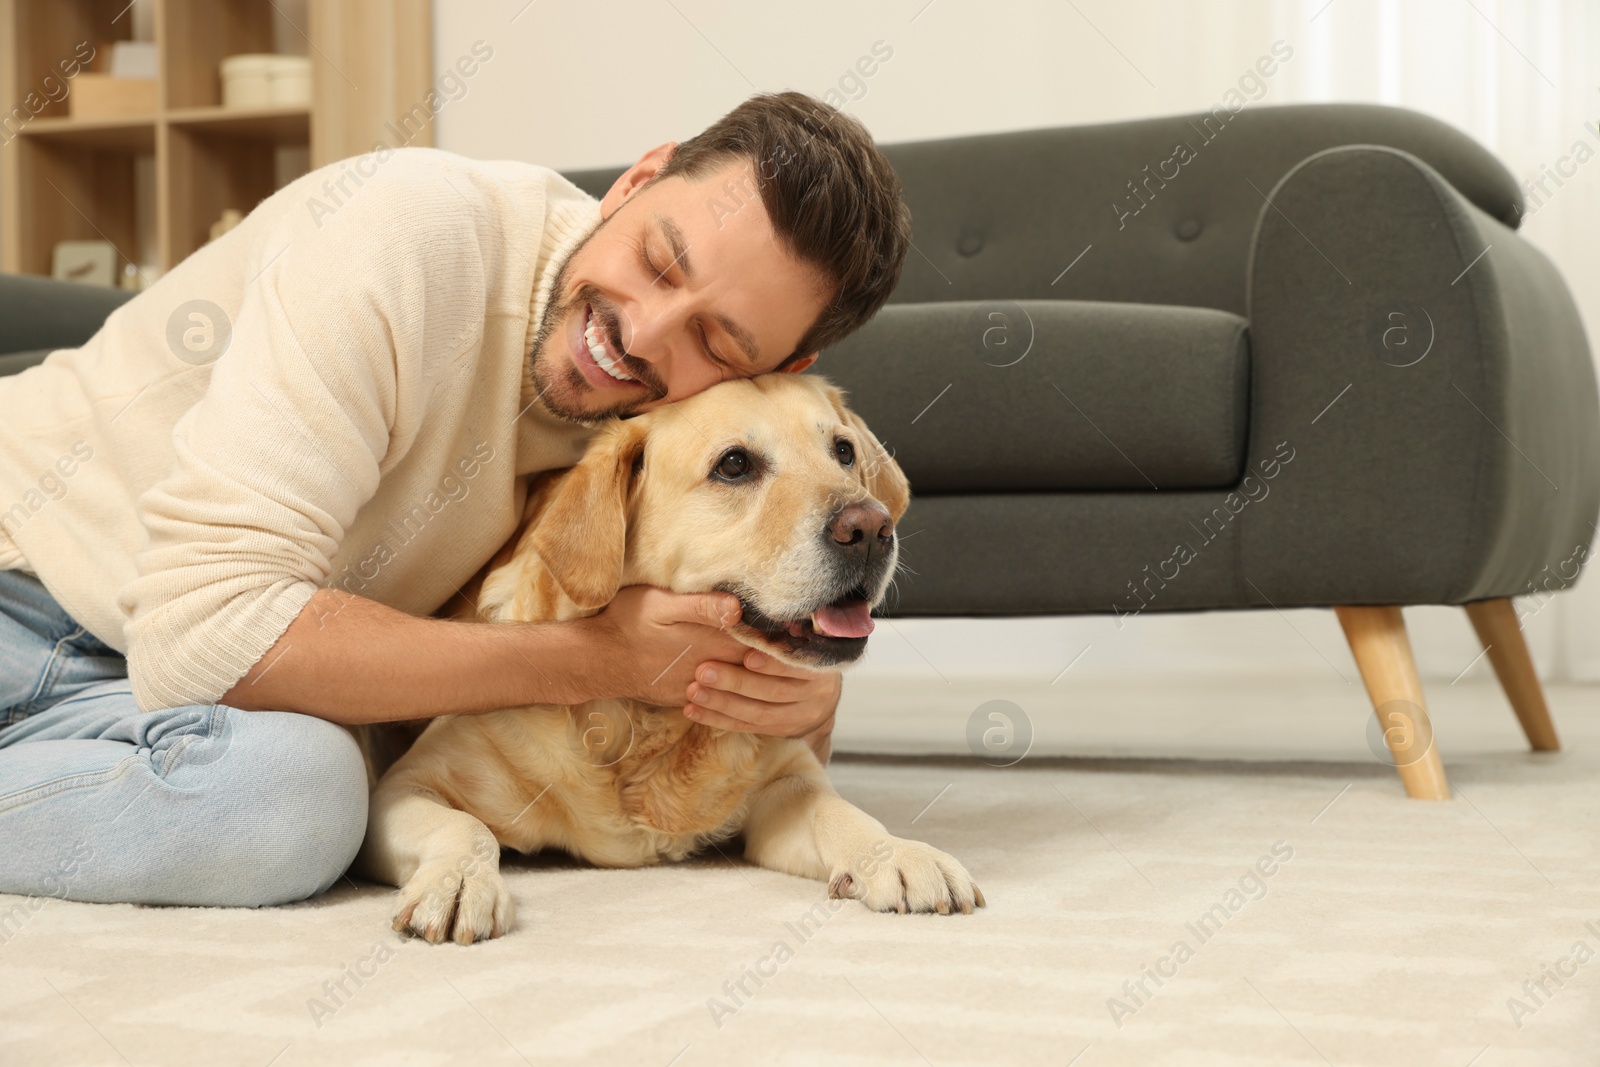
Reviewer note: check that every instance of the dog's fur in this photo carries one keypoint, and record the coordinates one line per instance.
(621, 784)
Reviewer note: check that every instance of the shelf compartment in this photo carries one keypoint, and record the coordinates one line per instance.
(208, 171)
(47, 36)
(197, 35)
(75, 192)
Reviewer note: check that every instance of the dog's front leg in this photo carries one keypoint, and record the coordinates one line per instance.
(798, 824)
(446, 862)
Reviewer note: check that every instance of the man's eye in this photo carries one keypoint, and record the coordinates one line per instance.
(734, 465)
(656, 275)
(723, 366)
(846, 453)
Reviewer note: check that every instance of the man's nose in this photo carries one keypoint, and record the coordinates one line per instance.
(649, 331)
(862, 527)
(637, 336)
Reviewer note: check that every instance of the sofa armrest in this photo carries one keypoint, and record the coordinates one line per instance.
(42, 313)
(1431, 370)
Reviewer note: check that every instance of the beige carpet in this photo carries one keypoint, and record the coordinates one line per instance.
(1397, 932)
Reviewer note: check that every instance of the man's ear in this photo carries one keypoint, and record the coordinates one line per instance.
(879, 472)
(635, 177)
(800, 364)
(580, 532)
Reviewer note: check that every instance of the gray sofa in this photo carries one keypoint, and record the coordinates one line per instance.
(1293, 356)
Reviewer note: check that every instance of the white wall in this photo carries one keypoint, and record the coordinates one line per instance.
(587, 84)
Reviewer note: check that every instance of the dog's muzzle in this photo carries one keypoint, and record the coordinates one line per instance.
(859, 551)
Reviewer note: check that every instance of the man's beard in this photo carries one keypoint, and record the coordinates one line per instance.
(561, 385)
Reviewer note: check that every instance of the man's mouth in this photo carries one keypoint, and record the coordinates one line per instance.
(597, 345)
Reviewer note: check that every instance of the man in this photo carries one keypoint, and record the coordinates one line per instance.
(237, 503)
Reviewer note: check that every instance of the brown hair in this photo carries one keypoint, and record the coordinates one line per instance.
(830, 194)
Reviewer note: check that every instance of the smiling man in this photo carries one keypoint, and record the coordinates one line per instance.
(313, 432)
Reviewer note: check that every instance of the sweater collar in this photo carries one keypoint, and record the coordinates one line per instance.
(569, 220)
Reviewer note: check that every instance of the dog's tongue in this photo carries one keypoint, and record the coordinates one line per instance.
(853, 618)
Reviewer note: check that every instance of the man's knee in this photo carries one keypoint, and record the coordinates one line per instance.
(313, 805)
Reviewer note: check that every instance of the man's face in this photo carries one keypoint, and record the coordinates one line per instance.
(684, 284)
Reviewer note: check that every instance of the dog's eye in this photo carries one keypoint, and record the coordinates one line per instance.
(846, 452)
(734, 464)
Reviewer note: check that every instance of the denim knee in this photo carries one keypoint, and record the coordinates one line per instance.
(308, 780)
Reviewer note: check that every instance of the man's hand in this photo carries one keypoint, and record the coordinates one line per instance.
(672, 649)
(766, 696)
(650, 640)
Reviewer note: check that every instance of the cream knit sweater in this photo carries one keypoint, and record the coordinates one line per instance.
(368, 425)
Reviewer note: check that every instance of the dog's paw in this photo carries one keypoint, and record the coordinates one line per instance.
(895, 874)
(457, 902)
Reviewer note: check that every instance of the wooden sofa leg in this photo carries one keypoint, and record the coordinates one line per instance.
(1378, 640)
(1501, 634)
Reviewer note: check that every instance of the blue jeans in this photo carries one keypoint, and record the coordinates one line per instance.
(195, 805)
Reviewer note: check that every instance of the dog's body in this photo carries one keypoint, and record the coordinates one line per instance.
(792, 528)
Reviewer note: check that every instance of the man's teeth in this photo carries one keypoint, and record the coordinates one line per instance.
(602, 358)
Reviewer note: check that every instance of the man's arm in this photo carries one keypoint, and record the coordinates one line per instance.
(377, 664)
(352, 660)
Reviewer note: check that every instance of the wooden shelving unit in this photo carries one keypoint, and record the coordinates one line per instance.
(73, 179)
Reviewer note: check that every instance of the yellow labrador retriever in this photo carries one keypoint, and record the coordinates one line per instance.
(768, 488)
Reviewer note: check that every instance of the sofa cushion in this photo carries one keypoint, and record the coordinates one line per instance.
(1041, 395)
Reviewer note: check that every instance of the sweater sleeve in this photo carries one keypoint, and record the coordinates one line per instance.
(323, 385)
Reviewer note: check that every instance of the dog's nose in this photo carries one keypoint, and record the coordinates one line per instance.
(858, 526)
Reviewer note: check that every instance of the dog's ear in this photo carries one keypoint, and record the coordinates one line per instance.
(580, 532)
(879, 472)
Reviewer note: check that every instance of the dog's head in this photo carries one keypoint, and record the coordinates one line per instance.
(769, 488)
